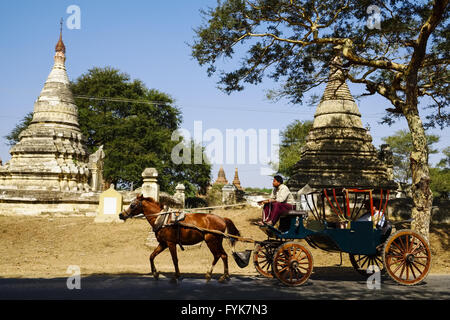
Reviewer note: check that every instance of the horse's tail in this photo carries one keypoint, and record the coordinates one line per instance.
(231, 229)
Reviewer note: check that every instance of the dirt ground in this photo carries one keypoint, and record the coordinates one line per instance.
(44, 247)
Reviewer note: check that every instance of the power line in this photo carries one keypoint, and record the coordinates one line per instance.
(242, 109)
(123, 100)
(239, 109)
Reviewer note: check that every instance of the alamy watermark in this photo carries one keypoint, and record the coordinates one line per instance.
(236, 146)
(74, 20)
(374, 20)
(74, 281)
(374, 280)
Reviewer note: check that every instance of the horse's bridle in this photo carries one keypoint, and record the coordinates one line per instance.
(139, 205)
(133, 206)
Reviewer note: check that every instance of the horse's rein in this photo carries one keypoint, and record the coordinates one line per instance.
(154, 214)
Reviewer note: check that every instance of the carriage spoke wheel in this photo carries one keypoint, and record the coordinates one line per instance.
(407, 257)
(292, 264)
(361, 262)
(263, 258)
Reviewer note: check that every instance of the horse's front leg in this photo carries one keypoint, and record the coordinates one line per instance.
(173, 253)
(160, 248)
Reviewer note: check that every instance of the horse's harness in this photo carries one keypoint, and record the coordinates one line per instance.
(176, 218)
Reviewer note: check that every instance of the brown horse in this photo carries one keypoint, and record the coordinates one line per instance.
(170, 236)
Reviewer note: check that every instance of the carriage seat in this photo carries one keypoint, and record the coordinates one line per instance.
(286, 218)
(295, 213)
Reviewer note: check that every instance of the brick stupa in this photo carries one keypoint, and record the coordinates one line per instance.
(338, 150)
(221, 179)
(236, 181)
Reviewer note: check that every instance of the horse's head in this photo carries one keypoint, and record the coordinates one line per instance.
(134, 209)
(137, 207)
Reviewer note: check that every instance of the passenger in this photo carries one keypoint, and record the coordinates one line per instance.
(377, 215)
(281, 201)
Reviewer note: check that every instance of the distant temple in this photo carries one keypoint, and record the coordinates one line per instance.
(221, 179)
(236, 181)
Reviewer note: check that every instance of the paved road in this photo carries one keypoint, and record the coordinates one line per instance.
(323, 284)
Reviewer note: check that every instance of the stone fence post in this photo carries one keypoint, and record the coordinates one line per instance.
(179, 193)
(150, 186)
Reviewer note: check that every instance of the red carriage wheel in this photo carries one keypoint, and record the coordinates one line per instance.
(407, 257)
(361, 262)
(292, 264)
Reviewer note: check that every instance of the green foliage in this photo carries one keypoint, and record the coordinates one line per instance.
(258, 190)
(440, 182)
(445, 162)
(13, 136)
(440, 177)
(214, 195)
(401, 146)
(293, 138)
(195, 202)
(195, 177)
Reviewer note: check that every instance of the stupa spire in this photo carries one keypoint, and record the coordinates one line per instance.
(60, 47)
(55, 104)
(337, 88)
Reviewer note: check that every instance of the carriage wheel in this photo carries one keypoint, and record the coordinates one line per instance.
(263, 258)
(407, 257)
(292, 264)
(361, 262)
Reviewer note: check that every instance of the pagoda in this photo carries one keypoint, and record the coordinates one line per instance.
(338, 150)
(50, 170)
(51, 154)
(236, 181)
(221, 179)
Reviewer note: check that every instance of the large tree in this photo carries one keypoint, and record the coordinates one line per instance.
(135, 125)
(403, 58)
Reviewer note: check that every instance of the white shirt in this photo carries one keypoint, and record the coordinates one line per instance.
(282, 194)
(376, 216)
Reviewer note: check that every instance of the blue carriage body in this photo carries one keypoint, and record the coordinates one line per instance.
(360, 238)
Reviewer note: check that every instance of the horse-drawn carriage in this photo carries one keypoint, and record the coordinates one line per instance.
(371, 241)
(403, 254)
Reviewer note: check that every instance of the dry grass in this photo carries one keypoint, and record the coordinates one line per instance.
(44, 247)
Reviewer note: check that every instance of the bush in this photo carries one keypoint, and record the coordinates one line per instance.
(214, 195)
(195, 202)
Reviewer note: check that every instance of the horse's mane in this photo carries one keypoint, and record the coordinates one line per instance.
(150, 199)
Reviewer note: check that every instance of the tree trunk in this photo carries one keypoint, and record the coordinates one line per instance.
(421, 193)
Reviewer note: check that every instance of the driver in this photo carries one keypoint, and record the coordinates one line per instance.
(280, 201)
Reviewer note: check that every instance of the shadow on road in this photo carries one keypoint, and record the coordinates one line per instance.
(330, 283)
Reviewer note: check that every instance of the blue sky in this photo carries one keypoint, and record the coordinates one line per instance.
(148, 40)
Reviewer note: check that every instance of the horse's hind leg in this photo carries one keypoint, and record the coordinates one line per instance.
(215, 246)
(173, 253)
(224, 256)
(161, 247)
